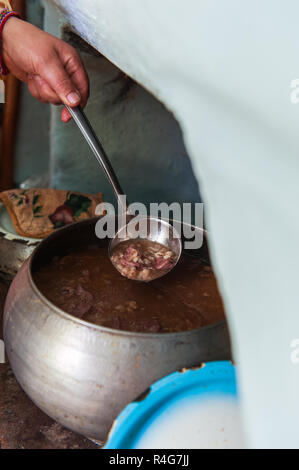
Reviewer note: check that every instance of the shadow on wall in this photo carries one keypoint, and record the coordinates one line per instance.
(142, 138)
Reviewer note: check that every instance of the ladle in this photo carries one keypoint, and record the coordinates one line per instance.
(154, 229)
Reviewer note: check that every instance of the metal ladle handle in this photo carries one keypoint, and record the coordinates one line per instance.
(86, 129)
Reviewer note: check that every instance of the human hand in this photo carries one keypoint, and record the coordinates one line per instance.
(52, 69)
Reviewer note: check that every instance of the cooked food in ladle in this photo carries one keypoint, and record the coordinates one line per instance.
(86, 285)
(142, 260)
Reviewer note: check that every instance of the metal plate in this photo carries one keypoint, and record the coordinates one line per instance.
(14, 249)
(7, 227)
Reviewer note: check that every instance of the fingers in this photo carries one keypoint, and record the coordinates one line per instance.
(65, 115)
(42, 92)
(76, 71)
(58, 79)
(40, 89)
(61, 79)
(34, 90)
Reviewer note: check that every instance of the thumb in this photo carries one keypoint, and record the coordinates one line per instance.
(58, 79)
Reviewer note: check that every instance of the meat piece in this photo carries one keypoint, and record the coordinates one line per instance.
(125, 262)
(85, 302)
(153, 326)
(100, 308)
(132, 304)
(116, 323)
(83, 294)
(132, 254)
(81, 309)
(162, 263)
(67, 291)
(147, 326)
(144, 275)
(150, 325)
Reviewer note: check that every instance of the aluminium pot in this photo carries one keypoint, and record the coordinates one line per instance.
(81, 374)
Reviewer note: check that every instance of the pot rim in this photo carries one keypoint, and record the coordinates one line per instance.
(103, 329)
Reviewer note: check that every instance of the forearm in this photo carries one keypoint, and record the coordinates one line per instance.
(5, 4)
(52, 69)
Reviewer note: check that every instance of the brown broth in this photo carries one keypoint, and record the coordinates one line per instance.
(86, 284)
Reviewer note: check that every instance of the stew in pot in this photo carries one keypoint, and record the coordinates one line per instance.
(86, 285)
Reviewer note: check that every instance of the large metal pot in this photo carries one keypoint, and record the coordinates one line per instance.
(80, 374)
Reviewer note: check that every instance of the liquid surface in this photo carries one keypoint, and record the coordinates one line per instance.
(86, 285)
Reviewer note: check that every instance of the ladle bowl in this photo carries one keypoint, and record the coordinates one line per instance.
(154, 230)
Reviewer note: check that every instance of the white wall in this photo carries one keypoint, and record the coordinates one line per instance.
(224, 68)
